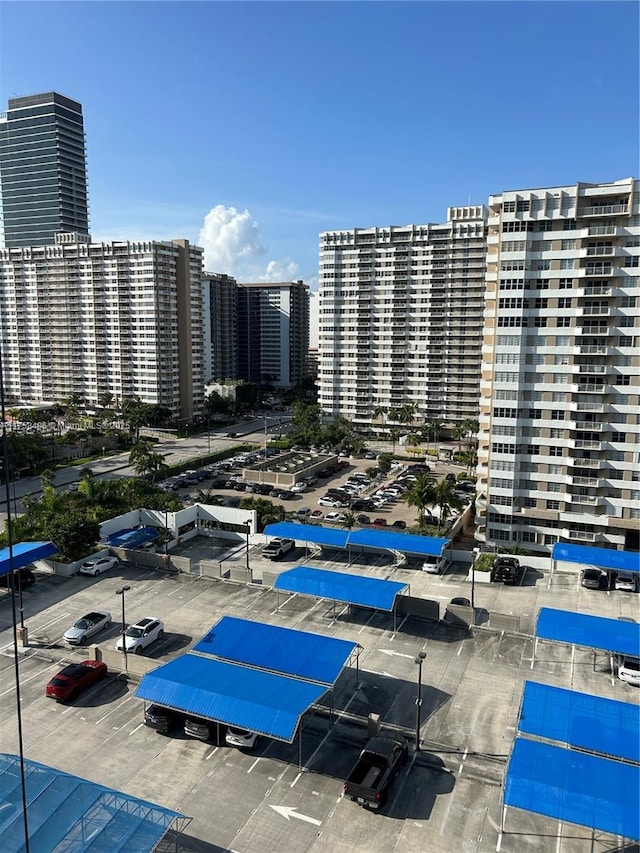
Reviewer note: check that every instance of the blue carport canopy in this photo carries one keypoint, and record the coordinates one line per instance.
(132, 537)
(340, 586)
(68, 813)
(410, 543)
(232, 694)
(574, 787)
(308, 533)
(602, 558)
(580, 720)
(23, 554)
(591, 632)
(406, 542)
(286, 651)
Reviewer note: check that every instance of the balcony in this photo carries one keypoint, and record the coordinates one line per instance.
(604, 210)
(593, 350)
(585, 481)
(598, 270)
(597, 251)
(595, 311)
(602, 231)
(589, 388)
(580, 444)
(585, 462)
(591, 368)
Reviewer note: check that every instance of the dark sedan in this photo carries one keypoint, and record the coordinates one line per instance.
(75, 678)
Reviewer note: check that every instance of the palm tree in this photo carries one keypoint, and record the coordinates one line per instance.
(394, 435)
(445, 499)
(145, 460)
(458, 433)
(105, 399)
(378, 412)
(414, 440)
(472, 426)
(470, 459)
(47, 478)
(407, 414)
(421, 494)
(436, 426)
(394, 415)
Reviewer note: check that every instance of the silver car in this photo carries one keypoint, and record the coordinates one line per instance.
(85, 628)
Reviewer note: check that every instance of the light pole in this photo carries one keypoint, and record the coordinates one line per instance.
(476, 551)
(419, 660)
(121, 592)
(247, 528)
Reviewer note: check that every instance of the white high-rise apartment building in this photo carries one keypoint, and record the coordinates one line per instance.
(559, 434)
(123, 318)
(400, 319)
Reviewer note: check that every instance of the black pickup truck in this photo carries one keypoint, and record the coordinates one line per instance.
(376, 768)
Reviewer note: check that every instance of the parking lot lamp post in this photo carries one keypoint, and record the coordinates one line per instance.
(419, 660)
(121, 592)
(476, 552)
(247, 528)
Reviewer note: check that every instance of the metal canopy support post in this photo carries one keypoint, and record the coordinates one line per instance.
(300, 744)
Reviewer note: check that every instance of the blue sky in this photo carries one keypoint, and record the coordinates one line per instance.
(276, 121)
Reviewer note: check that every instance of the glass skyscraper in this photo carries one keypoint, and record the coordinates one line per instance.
(43, 172)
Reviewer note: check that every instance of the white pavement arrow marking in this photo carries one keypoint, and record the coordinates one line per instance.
(291, 811)
(395, 654)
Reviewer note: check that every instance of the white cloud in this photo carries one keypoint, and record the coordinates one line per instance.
(233, 245)
(231, 240)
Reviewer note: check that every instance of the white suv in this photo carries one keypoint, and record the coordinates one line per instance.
(137, 637)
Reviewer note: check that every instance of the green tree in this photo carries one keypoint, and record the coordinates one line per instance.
(434, 428)
(472, 425)
(47, 477)
(384, 462)
(446, 501)
(458, 433)
(74, 535)
(268, 513)
(421, 495)
(145, 460)
(105, 399)
(407, 414)
(394, 435)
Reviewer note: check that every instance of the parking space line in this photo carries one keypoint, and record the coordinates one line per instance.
(295, 780)
(139, 726)
(31, 677)
(117, 707)
(212, 753)
(399, 628)
(367, 622)
(253, 765)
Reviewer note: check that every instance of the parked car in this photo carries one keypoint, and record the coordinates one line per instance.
(98, 565)
(360, 504)
(335, 517)
(242, 738)
(90, 624)
(317, 515)
(450, 478)
(278, 548)
(460, 602)
(137, 637)
(363, 519)
(400, 524)
(304, 512)
(377, 766)
(199, 728)
(163, 720)
(298, 488)
(333, 502)
(379, 522)
(627, 581)
(21, 578)
(507, 570)
(311, 480)
(75, 678)
(591, 578)
(629, 670)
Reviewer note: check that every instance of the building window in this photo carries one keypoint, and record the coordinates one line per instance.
(563, 322)
(553, 504)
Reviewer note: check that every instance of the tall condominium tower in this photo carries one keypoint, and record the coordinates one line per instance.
(43, 174)
(90, 318)
(401, 319)
(220, 327)
(273, 332)
(559, 412)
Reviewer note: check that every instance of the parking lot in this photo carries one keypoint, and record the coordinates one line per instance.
(449, 795)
